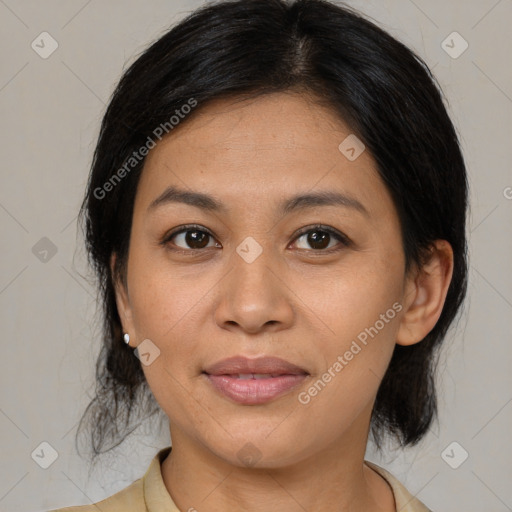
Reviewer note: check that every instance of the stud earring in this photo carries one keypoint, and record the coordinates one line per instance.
(126, 338)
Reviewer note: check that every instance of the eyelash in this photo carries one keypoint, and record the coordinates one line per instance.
(343, 239)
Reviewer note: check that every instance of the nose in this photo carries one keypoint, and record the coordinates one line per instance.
(254, 296)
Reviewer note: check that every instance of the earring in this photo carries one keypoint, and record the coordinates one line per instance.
(126, 338)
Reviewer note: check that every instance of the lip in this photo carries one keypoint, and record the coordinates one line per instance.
(241, 364)
(283, 377)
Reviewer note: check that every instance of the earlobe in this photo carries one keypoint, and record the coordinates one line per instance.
(427, 291)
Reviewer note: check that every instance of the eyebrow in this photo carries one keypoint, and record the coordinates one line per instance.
(302, 201)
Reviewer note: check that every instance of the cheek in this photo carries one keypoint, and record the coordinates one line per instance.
(167, 311)
(354, 353)
(164, 301)
(357, 313)
(354, 295)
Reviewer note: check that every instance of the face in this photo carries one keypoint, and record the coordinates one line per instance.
(319, 284)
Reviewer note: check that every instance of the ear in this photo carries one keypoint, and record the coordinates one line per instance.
(425, 294)
(122, 301)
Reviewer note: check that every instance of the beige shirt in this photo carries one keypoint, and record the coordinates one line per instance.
(149, 494)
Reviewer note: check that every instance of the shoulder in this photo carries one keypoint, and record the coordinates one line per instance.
(405, 501)
(148, 489)
(129, 499)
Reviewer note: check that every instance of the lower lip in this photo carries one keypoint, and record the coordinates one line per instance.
(254, 391)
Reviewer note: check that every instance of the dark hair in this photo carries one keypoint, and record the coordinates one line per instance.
(381, 89)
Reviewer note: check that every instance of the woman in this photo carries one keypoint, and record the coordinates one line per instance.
(276, 215)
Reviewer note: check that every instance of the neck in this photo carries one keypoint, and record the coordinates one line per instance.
(334, 478)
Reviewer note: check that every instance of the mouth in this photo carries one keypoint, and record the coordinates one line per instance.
(254, 381)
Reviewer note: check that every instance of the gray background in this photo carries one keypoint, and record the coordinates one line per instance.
(51, 110)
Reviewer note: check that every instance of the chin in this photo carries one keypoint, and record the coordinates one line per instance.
(246, 449)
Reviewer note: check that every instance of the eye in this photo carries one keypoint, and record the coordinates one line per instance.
(319, 238)
(190, 238)
(194, 238)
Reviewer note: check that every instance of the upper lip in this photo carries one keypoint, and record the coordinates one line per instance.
(243, 365)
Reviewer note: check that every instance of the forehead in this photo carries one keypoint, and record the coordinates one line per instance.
(274, 121)
(248, 151)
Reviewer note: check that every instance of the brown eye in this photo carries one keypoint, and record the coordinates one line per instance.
(319, 238)
(196, 239)
(190, 238)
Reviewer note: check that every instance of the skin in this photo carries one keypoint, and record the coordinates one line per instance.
(295, 301)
